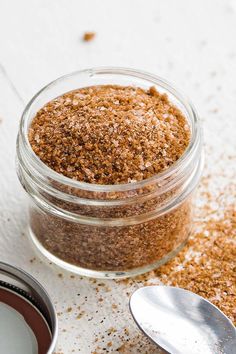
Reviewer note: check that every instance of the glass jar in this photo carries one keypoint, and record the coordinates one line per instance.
(109, 230)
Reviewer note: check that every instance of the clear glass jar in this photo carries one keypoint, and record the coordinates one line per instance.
(109, 230)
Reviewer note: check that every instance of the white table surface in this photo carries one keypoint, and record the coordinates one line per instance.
(190, 43)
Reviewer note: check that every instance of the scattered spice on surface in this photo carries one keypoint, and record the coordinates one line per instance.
(89, 36)
(80, 315)
(138, 345)
(207, 265)
(111, 330)
(126, 331)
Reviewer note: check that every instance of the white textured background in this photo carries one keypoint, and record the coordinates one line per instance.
(190, 43)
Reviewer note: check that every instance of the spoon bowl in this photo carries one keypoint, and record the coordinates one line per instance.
(181, 322)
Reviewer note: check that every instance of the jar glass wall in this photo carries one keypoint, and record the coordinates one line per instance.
(109, 230)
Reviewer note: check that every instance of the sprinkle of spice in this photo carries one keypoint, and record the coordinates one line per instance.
(208, 264)
(80, 315)
(89, 36)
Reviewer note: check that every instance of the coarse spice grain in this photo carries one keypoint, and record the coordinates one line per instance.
(110, 135)
(89, 36)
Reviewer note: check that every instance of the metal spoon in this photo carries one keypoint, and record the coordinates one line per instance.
(181, 322)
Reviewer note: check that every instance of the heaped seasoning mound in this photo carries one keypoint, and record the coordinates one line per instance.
(109, 134)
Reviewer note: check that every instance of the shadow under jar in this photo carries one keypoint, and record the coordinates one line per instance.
(109, 230)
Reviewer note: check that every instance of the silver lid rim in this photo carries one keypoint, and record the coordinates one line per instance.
(38, 293)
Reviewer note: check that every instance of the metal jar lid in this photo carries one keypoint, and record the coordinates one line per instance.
(26, 309)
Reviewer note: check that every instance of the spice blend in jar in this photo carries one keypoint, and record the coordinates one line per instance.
(120, 202)
(109, 134)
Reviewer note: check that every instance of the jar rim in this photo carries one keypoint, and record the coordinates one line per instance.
(21, 282)
(43, 169)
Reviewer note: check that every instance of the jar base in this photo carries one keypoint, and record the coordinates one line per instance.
(44, 254)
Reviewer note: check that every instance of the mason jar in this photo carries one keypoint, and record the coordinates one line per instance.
(109, 230)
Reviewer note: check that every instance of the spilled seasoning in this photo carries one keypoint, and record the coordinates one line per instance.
(208, 264)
